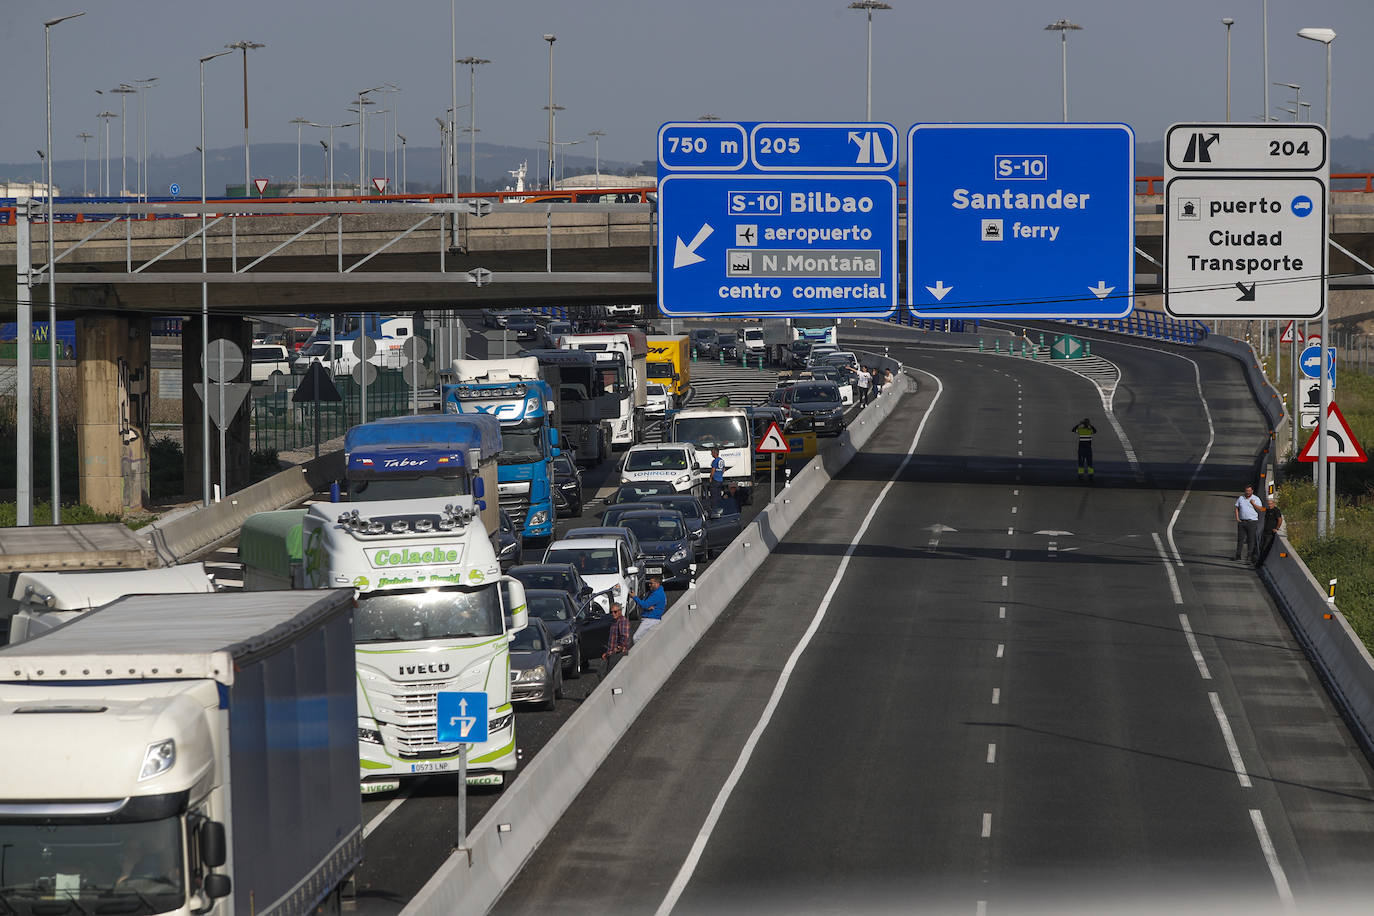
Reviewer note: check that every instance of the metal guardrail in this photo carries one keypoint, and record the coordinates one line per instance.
(1147, 323)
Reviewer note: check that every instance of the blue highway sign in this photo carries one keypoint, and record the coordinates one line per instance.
(777, 218)
(1021, 220)
(1311, 359)
(462, 718)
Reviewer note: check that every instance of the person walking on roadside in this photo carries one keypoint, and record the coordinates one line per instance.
(617, 639)
(1085, 432)
(1248, 507)
(1269, 529)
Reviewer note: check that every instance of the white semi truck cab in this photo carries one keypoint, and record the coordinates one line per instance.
(181, 754)
(723, 428)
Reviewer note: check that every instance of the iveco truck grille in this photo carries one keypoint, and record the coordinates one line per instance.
(416, 709)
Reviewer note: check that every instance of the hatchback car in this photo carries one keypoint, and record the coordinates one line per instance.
(605, 564)
(728, 345)
(560, 614)
(635, 490)
(713, 529)
(657, 399)
(816, 406)
(666, 542)
(536, 666)
(510, 551)
(675, 462)
(567, 485)
(704, 342)
(617, 530)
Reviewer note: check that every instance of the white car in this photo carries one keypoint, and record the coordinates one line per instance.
(658, 399)
(604, 564)
(675, 462)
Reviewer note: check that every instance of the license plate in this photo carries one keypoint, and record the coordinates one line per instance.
(654, 570)
(440, 766)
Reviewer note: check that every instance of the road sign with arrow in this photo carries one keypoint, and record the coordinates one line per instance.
(462, 718)
(1066, 347)
(1021, 220)
(773, 442)
(1341, 442)
(777, 218)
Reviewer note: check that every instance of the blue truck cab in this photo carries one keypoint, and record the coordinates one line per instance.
(439, 457)
(512, 391)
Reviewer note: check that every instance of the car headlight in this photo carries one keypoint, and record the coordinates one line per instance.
(369, 735)
(158, 758)
(539, 518)
(508, 548)
(528, 676)
(500, 722)
(678, 555)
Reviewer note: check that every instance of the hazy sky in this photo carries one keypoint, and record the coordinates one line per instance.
(624, 67)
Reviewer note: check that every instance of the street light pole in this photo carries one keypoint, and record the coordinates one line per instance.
(402, 138)
(362, 137)
(330, 149)
(83, 137)
(105, 116)
(24, 337)
(204, 305)
(123, 90)
(299, 122)
(245, 47)
(550, 38)
(597, 134)
(1228, 22)
(144, 85)
(473, 63)
(1064, 27)
(869, 6)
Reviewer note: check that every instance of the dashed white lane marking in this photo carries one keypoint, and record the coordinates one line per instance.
(996, 696)
(1173, 579)
(987, 824)
(1013, 510)
(1004, 578)
(1226, 734)
(689, 865)
(1192, 645)
(1053, 548)
(1015, 492)
(992, 753)
(1272, 857)
(1006, 554)
(1010, 531)
(982, 908)
(1001, 613)
(1001, 649)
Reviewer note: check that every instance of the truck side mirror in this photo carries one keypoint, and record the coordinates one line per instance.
(213, 848)
(217, 886)
(479, 488)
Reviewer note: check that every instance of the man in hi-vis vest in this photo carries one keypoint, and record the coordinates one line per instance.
(1085, 432)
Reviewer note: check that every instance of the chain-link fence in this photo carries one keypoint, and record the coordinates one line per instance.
(280, 424)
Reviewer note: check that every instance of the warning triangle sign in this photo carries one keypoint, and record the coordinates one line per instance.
(1287, 335)
(1341, 445)
(262, 185)
(773, 443)
(316, 387)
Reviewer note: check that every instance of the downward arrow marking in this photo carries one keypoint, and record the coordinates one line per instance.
(1101, 290)
(939, 290)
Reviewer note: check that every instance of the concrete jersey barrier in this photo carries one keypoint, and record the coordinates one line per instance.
(470, 882)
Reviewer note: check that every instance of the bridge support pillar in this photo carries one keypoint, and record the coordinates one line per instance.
(112, 423)
(237, 447)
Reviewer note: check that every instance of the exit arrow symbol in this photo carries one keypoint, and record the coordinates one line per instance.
(939, 290)
(1101, 290)
(686, 255)
(1247, 293)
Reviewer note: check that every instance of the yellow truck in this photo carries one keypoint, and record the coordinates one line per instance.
(670, 364)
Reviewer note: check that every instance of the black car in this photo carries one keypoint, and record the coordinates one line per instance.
(536, 666)
(727, 345)
(665, 542)
(509, 548)
(713, 529)
(524, 326)
(815, 405)
(634, 491)
(494, 318)
(704, 342)
(560, 614)
(595, 623)
(567, 486)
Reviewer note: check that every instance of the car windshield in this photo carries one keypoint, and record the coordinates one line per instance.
(651, 460)
(634, 492)
(563, 465)
(430, 613)
(316, 349)
(655, 527)
(58, 867)
(753, 335)
(520, 446)
(528, 640)
(711, 432)
(589, 561)
(825, 393)
(689, 508)
(660, 370)
(434, 487)
(654, 389)
(543, 578)
(267, 354)
(548, 607)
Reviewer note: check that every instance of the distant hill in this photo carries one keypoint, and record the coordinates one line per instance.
(277, 161)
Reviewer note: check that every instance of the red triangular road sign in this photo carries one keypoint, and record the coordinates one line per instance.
(380, 184)
(262, 185)
(773, 442)
(1343, 445)
(1287, 335)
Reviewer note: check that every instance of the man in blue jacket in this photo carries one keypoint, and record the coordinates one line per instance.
(651, 606)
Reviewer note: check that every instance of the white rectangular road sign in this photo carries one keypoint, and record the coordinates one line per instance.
(1245, 247)
(1250, 148)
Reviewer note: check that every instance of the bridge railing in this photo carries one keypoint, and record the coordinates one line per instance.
(1147, 323)
(906, 319)
(278, 424)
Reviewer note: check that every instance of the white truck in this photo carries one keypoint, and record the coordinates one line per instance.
(723, 428)
(624, 354)
(433, 614)
(182, 754)
(49, 599)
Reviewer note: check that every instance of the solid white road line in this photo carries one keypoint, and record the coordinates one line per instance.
(1211, 437)
(1272, 857)
(1173, 579)
(1236, 762)
(689, 866)
(1192, 645)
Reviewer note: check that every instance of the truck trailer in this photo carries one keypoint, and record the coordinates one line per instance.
(622, 354)
(182, 754)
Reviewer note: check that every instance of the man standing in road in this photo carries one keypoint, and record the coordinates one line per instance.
(617, 639)
(717, 477)
(1269, 529)
(1085, 432)
(651, 606)
(862, 382)
(1248, 508)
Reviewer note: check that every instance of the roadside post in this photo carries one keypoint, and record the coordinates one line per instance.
(224, 361)
(459, 726)
(772, 444)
